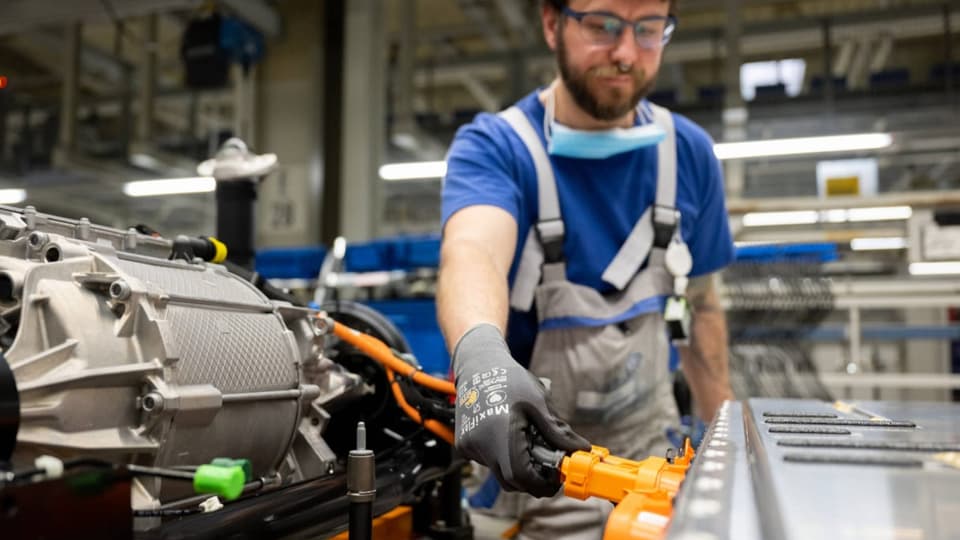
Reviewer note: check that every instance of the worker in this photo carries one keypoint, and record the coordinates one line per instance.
(583, 223)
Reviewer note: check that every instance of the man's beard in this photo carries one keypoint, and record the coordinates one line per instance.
(577, 84)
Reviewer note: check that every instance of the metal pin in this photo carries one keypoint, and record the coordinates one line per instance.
(361, 436)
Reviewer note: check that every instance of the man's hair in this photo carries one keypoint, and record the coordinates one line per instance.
(560, 4)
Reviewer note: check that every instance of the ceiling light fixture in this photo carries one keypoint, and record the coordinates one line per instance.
(170, 186)
(836, 215)
(802, 145)
(934, 268)
(766, 219)
(414, 170)
(878, 243)
(12, 196)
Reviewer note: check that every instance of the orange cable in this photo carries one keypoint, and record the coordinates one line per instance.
(379, 351)
(437, 428)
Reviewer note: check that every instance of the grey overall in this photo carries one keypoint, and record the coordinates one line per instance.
(606, 355)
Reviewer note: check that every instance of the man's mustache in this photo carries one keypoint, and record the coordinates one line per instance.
(616, 70)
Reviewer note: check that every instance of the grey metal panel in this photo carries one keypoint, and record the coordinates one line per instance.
(233, 351)
(187, 282)
(716, 499)
(882, 480)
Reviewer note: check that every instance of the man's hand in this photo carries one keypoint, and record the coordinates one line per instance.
(498, 401)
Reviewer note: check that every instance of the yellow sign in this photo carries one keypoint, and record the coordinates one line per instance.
(845, 185)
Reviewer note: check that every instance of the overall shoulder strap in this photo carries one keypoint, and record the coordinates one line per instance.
(655, 227)
(544, 243)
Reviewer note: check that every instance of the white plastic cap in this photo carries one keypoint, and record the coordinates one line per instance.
(52, 467)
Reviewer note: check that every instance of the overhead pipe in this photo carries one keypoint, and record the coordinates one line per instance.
(73, 46)
(148, 77)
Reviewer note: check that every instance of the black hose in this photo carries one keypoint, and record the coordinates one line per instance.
(317, 507)
(262, 284)
(235, 219)
(9, 411)
(361, 521)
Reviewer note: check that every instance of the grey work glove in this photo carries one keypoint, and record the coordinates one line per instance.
(498, 401)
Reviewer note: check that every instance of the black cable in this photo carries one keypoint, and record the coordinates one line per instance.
(168, 512)
(136, 470)
(430, 408)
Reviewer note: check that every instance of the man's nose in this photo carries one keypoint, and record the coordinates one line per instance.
(625, 50)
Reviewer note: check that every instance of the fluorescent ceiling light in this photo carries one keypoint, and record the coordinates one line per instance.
(414, 170)
(934, 268)
(878, 243)
(836, 215)
(765, 219)
(170, 186)
(802, 145)
(12, 196)
(884, 213)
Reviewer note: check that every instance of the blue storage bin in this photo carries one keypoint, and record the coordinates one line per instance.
(400, 253)
(290, 262)
(664, 98)
(817, 86)
(423, 252)
(890, 79)
(711, 94)
(417, 320)
(370, 256)
(821, 252)
(770, 91)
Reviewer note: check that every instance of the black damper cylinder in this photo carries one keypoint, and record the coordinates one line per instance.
(236, 201)
(9, 411)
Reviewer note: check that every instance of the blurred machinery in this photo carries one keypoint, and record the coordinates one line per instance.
(776, 299)
(148, 392)
(129, 356)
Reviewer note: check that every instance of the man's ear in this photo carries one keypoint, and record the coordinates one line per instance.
(550, 18)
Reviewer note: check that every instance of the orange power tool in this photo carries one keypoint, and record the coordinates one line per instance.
(643, 491)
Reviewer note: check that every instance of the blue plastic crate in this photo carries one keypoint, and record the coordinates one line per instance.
(399, 253)
(422, 252)
(771, 91)
(664, 98)
(820, 252)
(370, 256)
(290, 262)
(890, 79)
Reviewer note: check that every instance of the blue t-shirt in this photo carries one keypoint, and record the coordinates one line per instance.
(600, 199)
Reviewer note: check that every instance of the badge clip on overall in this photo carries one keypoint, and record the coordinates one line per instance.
(676, 313)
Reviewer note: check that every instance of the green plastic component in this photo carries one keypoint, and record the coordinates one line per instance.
(230, 462)
(227, 482)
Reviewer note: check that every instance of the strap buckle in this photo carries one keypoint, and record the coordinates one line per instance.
(550, 232)
(677, 316)
(666, 220)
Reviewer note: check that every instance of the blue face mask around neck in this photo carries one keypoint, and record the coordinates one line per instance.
(575, 143)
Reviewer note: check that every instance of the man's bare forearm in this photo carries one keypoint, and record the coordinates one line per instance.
(705, 361)
(470, 291)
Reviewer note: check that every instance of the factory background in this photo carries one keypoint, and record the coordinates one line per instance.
(837, 123)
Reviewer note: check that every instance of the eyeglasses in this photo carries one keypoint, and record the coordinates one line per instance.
(604, 28)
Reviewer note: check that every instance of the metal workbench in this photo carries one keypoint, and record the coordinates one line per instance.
(807, 469)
